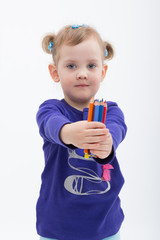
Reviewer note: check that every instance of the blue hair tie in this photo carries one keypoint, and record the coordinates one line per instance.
(77, 26)
(106, 53)
(50, 47)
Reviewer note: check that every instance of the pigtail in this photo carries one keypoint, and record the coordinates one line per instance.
(109, 48)
(46, 42)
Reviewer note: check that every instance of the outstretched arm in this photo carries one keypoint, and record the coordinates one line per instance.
(85, 135)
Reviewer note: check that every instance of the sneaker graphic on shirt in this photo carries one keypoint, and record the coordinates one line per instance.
(87, 181)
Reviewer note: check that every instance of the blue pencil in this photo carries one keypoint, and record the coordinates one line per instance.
(100, 117)
(96, 110)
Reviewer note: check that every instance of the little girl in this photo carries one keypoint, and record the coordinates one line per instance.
(76, 202)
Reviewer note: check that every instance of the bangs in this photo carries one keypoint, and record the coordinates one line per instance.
(73, 37)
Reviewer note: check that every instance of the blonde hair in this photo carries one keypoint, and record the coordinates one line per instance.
(72, 37)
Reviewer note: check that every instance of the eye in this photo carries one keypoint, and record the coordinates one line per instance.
(91, 66)
(71, 66)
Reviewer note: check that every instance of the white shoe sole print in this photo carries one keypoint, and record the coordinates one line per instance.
(87, 184)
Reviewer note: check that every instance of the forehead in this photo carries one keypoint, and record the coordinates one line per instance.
(88, 48)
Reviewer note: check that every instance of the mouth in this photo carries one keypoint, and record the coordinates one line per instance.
(81, 85)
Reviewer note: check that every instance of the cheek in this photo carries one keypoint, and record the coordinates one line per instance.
(97, 78)
(66, 76)
(66, 83)
(95, 85)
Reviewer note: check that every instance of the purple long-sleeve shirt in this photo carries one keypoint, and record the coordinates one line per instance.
(75, 201)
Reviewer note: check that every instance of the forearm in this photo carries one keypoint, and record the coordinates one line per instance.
(65, 134)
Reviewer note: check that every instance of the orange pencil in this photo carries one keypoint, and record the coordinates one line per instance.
(90, 111)
(90, 118)
(104, 112)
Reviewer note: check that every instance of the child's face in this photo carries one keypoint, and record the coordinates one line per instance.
(80, 71)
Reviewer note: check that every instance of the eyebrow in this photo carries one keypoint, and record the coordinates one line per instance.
(76, 60)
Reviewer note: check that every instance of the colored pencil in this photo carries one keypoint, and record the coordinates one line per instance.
(100, 117)
(96, 110)
(104, 112)
(90, 111)
(90, 118)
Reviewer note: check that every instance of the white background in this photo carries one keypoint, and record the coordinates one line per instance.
(132, 81)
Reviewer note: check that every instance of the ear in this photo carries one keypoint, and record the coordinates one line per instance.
(53, 72)
(104, 70)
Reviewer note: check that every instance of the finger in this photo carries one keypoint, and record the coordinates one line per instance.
(100, 139)
(107, 142)
(100, 154)
(97, 132)
(92, 146)
(102, 148)
(93, 124)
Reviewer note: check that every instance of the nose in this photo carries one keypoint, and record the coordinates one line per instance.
(82, 74)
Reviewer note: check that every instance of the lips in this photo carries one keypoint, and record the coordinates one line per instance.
(82, 85)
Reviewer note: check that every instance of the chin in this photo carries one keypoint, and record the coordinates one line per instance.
(82, 99)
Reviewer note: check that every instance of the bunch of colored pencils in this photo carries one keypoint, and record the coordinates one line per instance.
(97, 112)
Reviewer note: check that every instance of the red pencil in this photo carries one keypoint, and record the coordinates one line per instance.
(104, 112)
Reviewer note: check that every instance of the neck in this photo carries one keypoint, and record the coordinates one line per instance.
(78, 105)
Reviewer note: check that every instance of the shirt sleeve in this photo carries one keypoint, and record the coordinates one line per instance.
(50, 120)
(115, 122)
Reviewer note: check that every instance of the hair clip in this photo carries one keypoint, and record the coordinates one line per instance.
(77, 26)
(106, 53)
(50, 47)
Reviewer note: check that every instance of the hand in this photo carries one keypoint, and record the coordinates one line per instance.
(105, 147)
(87, 135)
